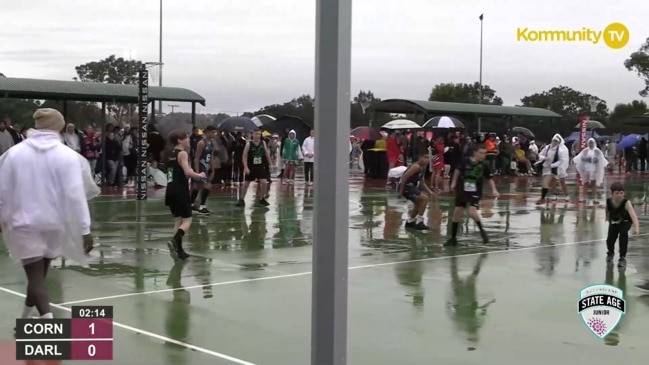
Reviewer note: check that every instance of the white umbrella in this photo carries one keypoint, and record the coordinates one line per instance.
(401, 124)
(263, 119)
(443, 122)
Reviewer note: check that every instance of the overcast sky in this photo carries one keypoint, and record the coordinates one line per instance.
(244, 54)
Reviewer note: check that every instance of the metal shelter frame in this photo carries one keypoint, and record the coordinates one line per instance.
(58, 90)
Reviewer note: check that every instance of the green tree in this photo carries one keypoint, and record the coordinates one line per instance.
(638, 62)
(464, 93)
(358, 117)
(566, 101)
(112, 70)
(623, 111)
(20, 111)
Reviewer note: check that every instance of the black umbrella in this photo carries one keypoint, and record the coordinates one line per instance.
(286, 123)
(237, 124)
(525, 131)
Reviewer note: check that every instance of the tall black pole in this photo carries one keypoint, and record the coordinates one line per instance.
(480, 81)
(160, 58)
(143, 124)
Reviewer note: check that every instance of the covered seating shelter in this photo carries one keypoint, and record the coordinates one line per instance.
(430, 109)
(39, 89)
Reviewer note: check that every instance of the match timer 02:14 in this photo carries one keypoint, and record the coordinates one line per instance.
(88, 335)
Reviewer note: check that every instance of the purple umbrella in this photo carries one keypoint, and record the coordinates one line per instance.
(629, 141)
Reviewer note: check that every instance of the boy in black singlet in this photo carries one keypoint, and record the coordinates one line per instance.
(177, 196)
(468, 180)
(619, 214)
(203, 163)
(412, 182)
(256, 158)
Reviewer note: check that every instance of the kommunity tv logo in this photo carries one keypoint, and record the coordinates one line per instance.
(614, 35)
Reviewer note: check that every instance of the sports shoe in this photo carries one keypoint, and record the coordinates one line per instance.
(485, 238)
(203, 210)
(263, 202)
(173, 249)
(541, 202)
(182, 254)
(609, 258)
(411, 224)
(622, 262)
(421, 227)
(241, 203)
(451, 242)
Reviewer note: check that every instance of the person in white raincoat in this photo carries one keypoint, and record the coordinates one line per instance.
(555, 159)
(591, 166)
(44, 188)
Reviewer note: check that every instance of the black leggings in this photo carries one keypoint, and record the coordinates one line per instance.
(615, 230)
(308, 171)
(36, 289)
(237, 171)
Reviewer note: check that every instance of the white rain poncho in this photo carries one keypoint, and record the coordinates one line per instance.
(44, 188)
(591, 164)
(555, 158)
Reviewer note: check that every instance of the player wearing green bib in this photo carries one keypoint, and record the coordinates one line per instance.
(467, 183)
(256, 162)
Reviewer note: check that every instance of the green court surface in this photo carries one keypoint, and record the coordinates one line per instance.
(245, 295)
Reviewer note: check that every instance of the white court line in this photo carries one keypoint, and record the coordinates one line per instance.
(150, 334)
(310, 272)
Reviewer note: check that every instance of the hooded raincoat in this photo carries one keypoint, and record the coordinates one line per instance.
(591, 164)
(555, 160)
(44, 188)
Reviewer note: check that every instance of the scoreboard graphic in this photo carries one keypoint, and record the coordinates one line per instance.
(88, 335)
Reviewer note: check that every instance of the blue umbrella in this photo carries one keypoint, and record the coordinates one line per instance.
(629, 141)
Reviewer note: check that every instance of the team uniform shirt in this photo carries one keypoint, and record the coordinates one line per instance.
(411, 189)
(204, 162)
(619, 214)
(257, 161)
(470, 182)
(177, 196)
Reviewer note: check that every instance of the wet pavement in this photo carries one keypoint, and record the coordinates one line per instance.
(244, 296)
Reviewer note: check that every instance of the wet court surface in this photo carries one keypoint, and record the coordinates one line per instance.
(244, 296)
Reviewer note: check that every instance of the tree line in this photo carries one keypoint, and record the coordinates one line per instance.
(564, 100)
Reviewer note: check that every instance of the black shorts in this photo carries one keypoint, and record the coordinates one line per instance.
(206, 179)
(179, 206)
(411, 193)
(257, 172)
(464, 200)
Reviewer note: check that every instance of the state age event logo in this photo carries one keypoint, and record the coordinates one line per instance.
(601, 307)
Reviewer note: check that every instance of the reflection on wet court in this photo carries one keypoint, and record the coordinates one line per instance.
(244, 296)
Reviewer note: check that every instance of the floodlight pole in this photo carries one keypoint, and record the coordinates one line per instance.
(331, 206)
(160, 59)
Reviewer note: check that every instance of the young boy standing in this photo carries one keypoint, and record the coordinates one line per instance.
(467, 183)
(177, 196)
(412, 182)
(619, 214)
(203, 163)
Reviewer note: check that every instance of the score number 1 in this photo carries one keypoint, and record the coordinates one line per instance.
(92, 339)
